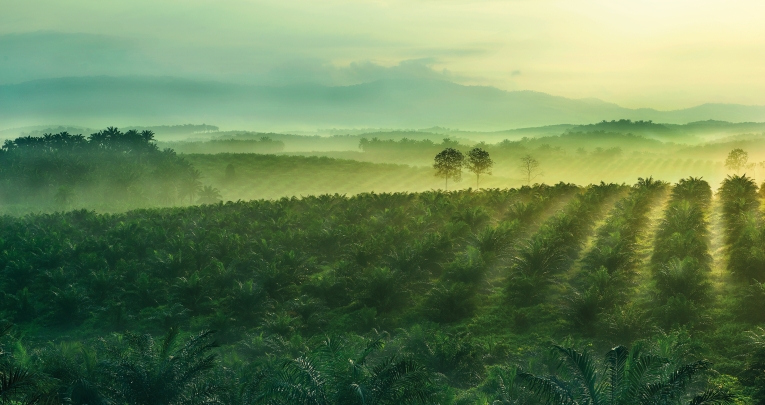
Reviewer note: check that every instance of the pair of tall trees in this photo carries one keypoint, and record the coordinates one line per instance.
(450, 161)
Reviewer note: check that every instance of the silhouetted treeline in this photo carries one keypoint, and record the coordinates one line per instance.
(106, 169)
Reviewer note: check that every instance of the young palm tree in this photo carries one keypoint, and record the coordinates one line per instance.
(629, 377)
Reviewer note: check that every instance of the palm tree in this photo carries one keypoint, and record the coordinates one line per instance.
(164, 373)
(694, 189)
(754, 372)
(64, 196)
(338, 374)
(628, 377)
(681, 276)
(190, 185)
(533, 268)
(209, 195)
(17, 384)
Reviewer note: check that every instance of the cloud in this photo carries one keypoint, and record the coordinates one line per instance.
(46, 54)
(653, 53)
(323, 72)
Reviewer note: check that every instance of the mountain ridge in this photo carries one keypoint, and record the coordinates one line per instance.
(404, 103)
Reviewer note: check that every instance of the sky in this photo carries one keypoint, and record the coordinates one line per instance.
(666, 54)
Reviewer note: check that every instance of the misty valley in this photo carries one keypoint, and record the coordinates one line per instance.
(618, 262)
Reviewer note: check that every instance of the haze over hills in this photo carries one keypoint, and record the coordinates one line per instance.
(395, 103)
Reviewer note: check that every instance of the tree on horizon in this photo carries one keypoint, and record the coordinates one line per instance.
(448, 164)
(479, 163)
(737, 159)
(529, 168)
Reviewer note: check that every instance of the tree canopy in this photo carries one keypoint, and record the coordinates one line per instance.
(448, 164)
(479, 163)
(108, 168)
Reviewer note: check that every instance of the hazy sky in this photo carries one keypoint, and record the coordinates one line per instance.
(650, 53)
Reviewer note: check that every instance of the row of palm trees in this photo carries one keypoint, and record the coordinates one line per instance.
(743, 228)
(552, 250)
(745, 244)
(455, 294)
(681, 261)
(608, 267)
(156, 266)
(274, 278)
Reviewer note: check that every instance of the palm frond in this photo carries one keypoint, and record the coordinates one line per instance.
(15, 382)
(674, 386)
(713, 397)
(583, 365)
(548, 389)
(616, 363)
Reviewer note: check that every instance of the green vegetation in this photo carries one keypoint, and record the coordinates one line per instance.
(108, 170)
(681, 261)
(448, 164)
(737, 159)
(397, 298)
(479, 162)
(263, 145)
(608, 268)
(630, 377)
(347, 296)
(251, 176)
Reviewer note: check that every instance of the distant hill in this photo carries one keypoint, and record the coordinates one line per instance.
(99, 101)
(693, 132)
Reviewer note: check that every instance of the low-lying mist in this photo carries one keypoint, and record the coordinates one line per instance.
(112, 170)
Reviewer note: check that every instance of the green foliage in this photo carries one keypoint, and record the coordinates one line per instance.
(754, 372)
(628, 377)
(108, 169)
(610, 263)
(554, 247)
(681, 261)
(448, 164)
(263, 145)
(743, 228)
(341, 372)
(469, 284)
(736, 160)
(165, 372)
(479, 163)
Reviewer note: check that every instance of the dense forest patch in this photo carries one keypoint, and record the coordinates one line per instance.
(108, 170)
